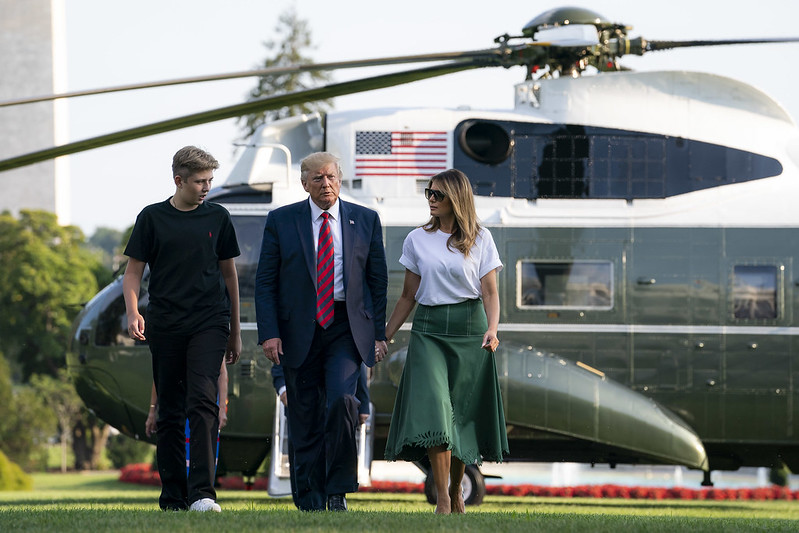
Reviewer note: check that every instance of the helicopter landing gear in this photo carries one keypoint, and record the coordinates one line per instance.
(473, 484)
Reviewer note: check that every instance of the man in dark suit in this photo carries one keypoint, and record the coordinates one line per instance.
(320, 297)
(362, 394)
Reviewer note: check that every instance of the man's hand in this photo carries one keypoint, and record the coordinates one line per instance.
(136, 327)
(273, 349)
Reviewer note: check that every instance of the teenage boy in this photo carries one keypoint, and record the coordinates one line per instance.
(192, 322)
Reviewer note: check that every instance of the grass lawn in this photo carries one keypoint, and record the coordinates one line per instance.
(96, 502)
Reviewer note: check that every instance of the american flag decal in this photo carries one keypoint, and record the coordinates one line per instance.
(418, 154)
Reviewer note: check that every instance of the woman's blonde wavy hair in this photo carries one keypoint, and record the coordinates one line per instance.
(456, 186)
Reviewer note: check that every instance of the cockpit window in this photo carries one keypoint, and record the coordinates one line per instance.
(249, 232)
(570, 161)
(754, 291)
(562, 285)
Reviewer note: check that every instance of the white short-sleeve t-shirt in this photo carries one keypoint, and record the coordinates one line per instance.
(448, 277)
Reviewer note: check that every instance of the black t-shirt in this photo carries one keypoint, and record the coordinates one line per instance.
(183, 249)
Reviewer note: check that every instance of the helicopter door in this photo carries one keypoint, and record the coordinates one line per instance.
(279, 469)
(757, 363)
(670, 271)
(365, 438)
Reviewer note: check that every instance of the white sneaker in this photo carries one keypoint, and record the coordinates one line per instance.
(205, 504)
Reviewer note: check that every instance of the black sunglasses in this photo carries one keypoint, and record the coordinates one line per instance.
(434, 192)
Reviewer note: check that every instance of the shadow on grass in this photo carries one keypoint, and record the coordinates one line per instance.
(120, 500)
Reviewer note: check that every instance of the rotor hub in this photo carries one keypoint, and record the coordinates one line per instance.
(564, 16)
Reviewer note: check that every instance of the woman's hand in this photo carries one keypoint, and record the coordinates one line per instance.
(490, 341)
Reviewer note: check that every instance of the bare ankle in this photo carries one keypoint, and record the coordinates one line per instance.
(457, 505)
(443, 504)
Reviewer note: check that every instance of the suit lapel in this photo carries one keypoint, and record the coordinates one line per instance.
(347, 225)
(305, 232)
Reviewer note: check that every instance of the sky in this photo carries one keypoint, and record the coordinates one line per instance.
(115, 43)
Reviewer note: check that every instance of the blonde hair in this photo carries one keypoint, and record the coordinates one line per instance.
(191, 160)
(456, 186)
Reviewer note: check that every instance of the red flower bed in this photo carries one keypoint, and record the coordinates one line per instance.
(402, 487)
(640, 492)
(142, 473)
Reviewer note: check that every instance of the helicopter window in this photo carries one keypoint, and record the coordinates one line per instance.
(569, 161)
(574, 284)
(754, 291)
(249, 232)
(564, 164)
(112, 324)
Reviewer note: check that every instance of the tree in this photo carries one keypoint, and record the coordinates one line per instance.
(45, 276)
(12, 477)
(106, 241)
(290, 50)
(89, 439)
(26, 422)
(65, 403)
(123, 450)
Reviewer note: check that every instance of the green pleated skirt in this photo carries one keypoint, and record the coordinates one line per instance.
(449, 392)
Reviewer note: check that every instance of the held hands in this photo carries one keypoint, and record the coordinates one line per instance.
(490, 341)
(273, 349)
(381, 349)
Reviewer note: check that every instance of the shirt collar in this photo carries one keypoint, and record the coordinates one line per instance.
(317, 211)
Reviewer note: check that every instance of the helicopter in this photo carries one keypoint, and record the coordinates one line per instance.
(649, 297)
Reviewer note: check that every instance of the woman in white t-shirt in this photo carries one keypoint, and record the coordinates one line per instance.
(448, 404)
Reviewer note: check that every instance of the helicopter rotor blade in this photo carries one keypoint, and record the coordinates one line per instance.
(253, 106)
(640, 46)
(488, 54)
(668, 45)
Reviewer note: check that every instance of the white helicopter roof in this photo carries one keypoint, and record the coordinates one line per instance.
(698, 106)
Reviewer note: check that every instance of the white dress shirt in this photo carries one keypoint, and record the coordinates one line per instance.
(335, 229)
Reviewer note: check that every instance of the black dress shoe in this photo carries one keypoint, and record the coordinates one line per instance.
(336, 502)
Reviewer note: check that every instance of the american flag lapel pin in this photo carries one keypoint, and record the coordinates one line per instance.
(352, 221)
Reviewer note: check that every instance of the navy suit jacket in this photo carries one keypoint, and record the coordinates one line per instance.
(285, 283)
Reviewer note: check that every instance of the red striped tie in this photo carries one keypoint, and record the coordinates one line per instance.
(324, 275)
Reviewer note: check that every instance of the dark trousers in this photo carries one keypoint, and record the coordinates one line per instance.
(323, 415)
(186, 371)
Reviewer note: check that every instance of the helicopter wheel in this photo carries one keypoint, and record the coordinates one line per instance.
(473, 484)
